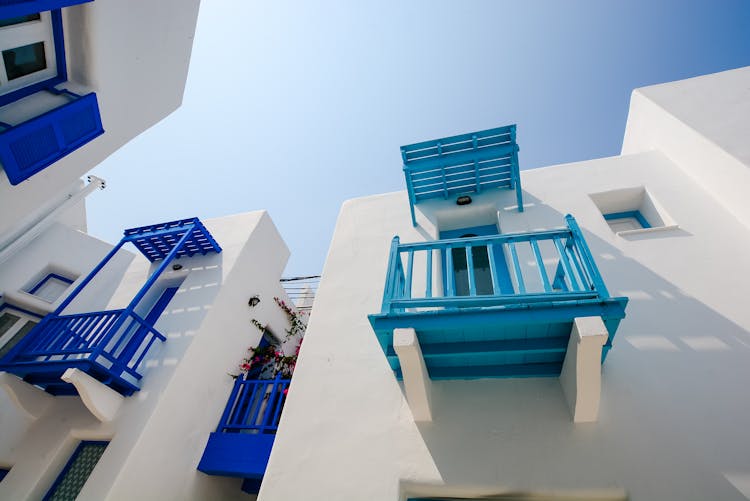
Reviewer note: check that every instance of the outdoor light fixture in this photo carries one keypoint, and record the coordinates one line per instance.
(253, 302)
(463, 200)
(176, 267)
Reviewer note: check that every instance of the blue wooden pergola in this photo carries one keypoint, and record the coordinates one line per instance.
(459, 165)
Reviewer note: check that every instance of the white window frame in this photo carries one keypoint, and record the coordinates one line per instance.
(19, 35)
(23, 319)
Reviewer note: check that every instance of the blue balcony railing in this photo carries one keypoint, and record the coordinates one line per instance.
(242, 443)
(108, 345)
(494, 306)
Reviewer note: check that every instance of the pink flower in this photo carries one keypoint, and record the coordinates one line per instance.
(286, 390)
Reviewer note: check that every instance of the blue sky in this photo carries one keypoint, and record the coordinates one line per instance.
(295, 107)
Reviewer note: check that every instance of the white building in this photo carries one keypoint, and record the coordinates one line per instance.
(116, 365)
(665, 416)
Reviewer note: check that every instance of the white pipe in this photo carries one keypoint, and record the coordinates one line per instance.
(26, 235)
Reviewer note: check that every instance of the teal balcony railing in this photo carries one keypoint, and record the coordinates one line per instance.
(513, 295)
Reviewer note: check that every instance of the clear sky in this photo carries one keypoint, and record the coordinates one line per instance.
(296, 106)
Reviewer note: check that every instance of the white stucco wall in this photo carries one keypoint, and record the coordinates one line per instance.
(158, 436)
(701, 124)
(672, 420)
(135, 56)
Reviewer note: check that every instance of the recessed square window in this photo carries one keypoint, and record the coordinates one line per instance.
(50, 286)
(631, 210)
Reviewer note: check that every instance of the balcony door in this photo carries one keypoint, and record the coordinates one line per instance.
(480, 256)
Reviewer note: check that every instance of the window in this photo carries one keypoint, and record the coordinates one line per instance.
(78, 469)
(27, 45)
(480, 257)
(51, 287)
(3, 472)
(628, 220)
(631, 210)
(15, 323)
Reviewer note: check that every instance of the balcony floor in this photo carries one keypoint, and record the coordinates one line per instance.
(520, 340)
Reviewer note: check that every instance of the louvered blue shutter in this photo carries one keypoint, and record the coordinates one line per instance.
(33, 145)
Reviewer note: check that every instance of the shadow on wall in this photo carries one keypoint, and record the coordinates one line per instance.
(670, 401)
(183, 317)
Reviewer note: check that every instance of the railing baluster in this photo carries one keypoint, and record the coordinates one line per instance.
(540, 265)
(566, 264)
(470, 270)
(517, 268)
(428, 285)
(570, 250)
(449, 278)
(231, 403)
(409, 268)
(493, 269)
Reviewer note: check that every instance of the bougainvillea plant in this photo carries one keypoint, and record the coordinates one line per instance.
(269, 360)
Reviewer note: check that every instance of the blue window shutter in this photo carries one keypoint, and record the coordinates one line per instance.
(31, 146)
(15, 8)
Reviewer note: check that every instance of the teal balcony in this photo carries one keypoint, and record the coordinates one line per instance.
(494, 306)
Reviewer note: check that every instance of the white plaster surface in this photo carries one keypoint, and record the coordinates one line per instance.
(672, 422)
(100, 399)
(417, 384)
(580, 378)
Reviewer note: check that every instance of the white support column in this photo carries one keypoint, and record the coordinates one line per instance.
(581, 376)
(100, 399)
(27, 398)
(416, 380)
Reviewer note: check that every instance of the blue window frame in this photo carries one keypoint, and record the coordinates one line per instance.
(628, 220)
(77, 470)
(51, 287)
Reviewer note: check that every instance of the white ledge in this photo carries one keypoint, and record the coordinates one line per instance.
(581, 376)
(417, 384)
(30, 400)
(100, 399)
(641, 231)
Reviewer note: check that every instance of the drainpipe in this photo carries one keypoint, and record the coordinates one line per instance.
(26, 233)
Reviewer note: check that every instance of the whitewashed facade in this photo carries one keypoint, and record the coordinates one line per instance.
(672, 415)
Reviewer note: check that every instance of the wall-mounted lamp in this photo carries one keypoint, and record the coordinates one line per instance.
(176, 267)
(463, 200)
(253, 302)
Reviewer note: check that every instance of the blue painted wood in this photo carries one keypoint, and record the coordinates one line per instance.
(17, 8)
(237, 454)
(467, 163)
(103, 344)
(635, 214)
(480, 335)
(82, 446)
(31, 146)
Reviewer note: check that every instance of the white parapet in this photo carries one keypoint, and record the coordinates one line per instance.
(29, 399)
(417, 382)
(100, 399)
(581, 377)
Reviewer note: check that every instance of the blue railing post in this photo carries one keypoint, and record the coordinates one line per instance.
(390, 281)
(88, 278)
(589, 262)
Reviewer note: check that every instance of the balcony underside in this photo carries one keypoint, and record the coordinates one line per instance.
(518, 340)
(243, 455)
(46, 375)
